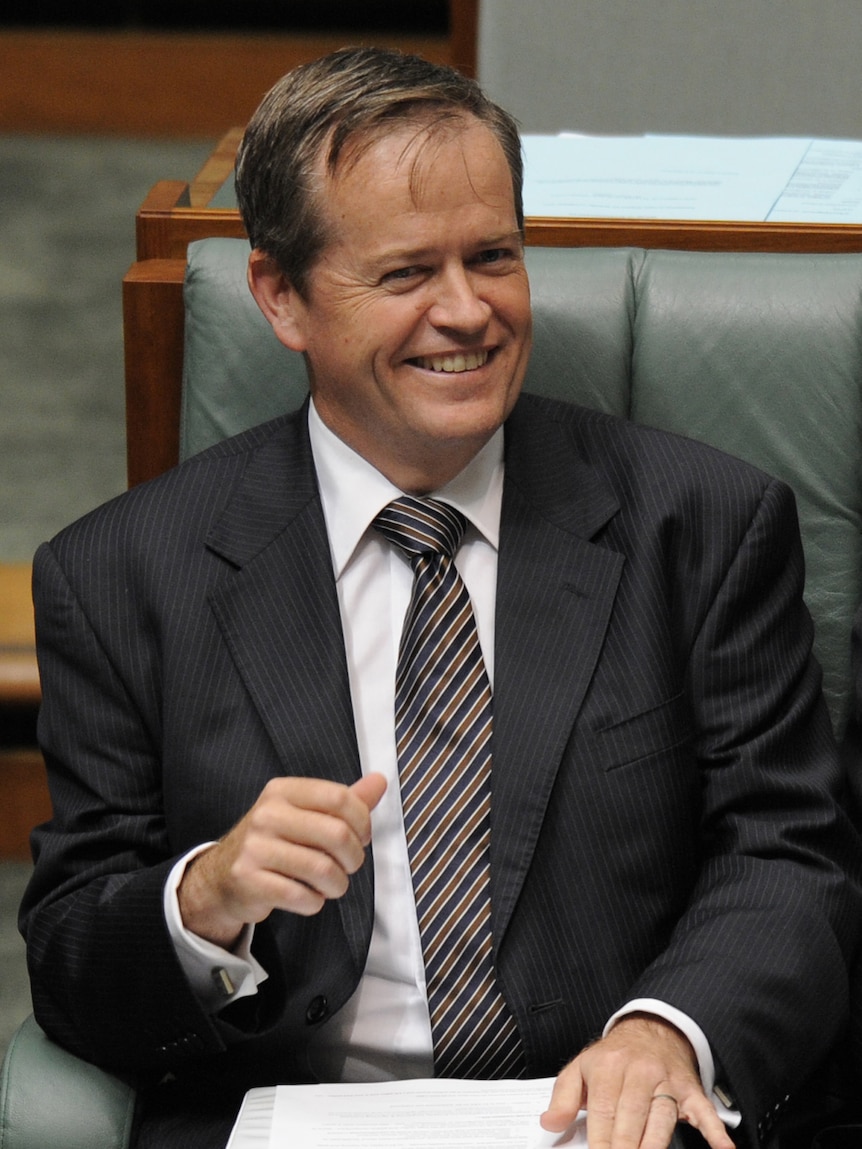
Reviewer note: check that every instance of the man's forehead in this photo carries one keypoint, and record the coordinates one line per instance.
(382, 192)
(417, 137)
(410, 160)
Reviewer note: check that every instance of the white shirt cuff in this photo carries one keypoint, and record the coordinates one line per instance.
(697, 1038)
(218, 976)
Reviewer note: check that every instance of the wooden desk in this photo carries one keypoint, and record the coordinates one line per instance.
(22, 771)
(176, 213)
(19, 676)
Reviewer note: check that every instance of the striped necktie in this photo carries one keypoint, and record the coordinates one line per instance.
(443, 735)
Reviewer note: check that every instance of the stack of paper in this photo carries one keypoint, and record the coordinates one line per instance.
(693, 178)
(422, 1114)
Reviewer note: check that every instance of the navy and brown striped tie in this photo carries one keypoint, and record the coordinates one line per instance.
(443, 734)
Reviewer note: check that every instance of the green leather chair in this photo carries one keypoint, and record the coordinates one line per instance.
(50, 1099)
(759, 354)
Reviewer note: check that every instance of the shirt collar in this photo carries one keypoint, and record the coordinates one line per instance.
(353, 492)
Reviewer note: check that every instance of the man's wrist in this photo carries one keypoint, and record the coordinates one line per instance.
(217, 975)
(696, 1038)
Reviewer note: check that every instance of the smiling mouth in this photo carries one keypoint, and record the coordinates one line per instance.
(453, 364)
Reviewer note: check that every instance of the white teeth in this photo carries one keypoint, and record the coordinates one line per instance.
(454, 363)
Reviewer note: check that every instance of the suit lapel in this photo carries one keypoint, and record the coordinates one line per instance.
(555, 594)
(280, 619)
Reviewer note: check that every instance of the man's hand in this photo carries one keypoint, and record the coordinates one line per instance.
(295, 848)
(635, 1084)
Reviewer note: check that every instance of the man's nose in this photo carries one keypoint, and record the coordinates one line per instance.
(457, 303)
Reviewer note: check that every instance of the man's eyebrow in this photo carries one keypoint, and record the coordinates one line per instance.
(506, 239)
(400, 255)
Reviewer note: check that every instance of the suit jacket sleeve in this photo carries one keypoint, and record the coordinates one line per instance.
(688, 845)
(160, 727)
(105, 976)
(190, 647)
(760, 953)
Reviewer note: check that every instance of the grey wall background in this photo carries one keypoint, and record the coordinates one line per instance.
(67, 238)
(706, 67)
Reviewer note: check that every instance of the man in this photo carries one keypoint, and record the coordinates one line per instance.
(669, 913)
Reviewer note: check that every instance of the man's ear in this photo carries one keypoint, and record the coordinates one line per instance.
(282, 306)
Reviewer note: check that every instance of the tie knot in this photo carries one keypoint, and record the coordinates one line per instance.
(420, 526)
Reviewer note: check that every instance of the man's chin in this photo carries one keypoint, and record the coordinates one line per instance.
(469, 418)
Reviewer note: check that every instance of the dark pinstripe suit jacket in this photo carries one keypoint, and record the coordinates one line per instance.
(663, 821)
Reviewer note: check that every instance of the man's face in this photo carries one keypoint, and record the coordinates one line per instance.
(416, 319)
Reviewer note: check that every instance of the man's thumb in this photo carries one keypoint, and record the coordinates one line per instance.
(370, 789)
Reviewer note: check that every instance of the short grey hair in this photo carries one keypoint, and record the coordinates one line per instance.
(352, 96)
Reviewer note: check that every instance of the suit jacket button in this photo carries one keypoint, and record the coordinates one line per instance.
(318, 1009)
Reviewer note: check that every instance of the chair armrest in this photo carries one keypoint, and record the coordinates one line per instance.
(49, 1097)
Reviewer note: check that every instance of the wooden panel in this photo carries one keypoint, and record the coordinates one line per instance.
(19, 674)
(694, 235)
(153, 326)
(464, 34)
(25, 800)
(165, 232)
(216, 170)
(165, 225)
(157, 84)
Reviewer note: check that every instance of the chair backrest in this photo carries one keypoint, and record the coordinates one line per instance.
(759, 354)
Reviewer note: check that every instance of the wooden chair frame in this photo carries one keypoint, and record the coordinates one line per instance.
(175, 214)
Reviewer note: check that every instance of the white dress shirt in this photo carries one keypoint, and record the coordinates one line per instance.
(384, 1032)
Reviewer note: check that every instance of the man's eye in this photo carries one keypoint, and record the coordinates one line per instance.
(494, 255)
(401, 274)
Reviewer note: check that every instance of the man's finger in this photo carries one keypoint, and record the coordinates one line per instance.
(699, 1112)
(566, 1100)
(661, 1121)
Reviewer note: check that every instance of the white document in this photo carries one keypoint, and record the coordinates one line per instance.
(423, 1114)
(826, 187)
(658, 177)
